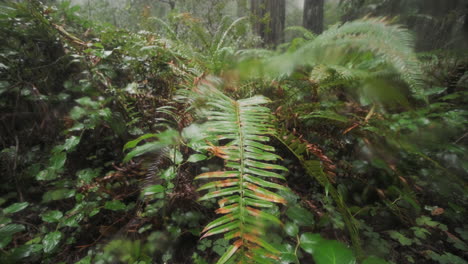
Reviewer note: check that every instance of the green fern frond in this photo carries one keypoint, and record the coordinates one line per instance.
(243, 188)
(307, 34)
(358, 50)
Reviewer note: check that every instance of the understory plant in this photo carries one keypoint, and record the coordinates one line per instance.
(238, 132)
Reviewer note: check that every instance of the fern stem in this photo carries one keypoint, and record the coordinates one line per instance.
(241, 175)
(342, 208)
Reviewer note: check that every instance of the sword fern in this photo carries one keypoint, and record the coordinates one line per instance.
(243, 189)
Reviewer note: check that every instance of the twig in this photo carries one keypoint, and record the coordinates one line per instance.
(462, 137)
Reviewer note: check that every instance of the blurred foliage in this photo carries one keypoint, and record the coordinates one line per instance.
(104, 121)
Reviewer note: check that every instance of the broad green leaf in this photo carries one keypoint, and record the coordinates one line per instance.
(310, 242)
(154, 189)
(176, 156)
(425, 220)
(291, 229)
(85, 260)
(25, 251)
(71, 143)
(52, 216)
(403, 240)
(4, 220)
(58, 194)
(115, 205)
(87, 175)
(51, 240)
(5, 240)
(196, 158)
(86, 101)
(7, 232)
(46, 175)
(16, 207)
(73, 220)
(300, 216)
(58, 160)
(333, 252)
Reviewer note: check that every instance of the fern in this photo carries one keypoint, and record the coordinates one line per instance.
(361, 50)
(243, 187)
(299, 148)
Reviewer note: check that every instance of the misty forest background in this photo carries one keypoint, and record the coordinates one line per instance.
(234, 131)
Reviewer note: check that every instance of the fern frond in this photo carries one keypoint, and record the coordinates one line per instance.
(222, 39)
(299, 148)
(307, 34)
(358, 50)
(243, 188)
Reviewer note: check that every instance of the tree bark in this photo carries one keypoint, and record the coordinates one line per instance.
(313, 15)
(269, 20)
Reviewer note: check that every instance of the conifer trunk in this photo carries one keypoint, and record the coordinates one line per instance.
(313, 15)
(269, 20)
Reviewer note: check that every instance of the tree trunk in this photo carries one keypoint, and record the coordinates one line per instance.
(313, 15)
(269, 20)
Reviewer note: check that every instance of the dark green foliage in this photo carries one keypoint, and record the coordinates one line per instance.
(115, 146)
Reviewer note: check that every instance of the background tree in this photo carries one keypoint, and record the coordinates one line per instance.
(313, 15)
(242, 7)
(269, 20)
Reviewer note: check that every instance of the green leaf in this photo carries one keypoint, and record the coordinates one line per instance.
(403, 240)
(425, 220)
(4, 220)
(25, 251)
(46, 175)
(115, 205)
(73, 220)
(374, 260)
(11, 229)
(176, 156)
(196, 158)
(300, 216)
(71, 143)
(134, 143)
(58, 194)
(87, 175)
(143, 149)
(333, 252)
(291, 229)
(58, 160)
(154, 189)
(16, 207)
(86, 101)
(7, 232)
(310, 242)
(52, 216)
(51, 240)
